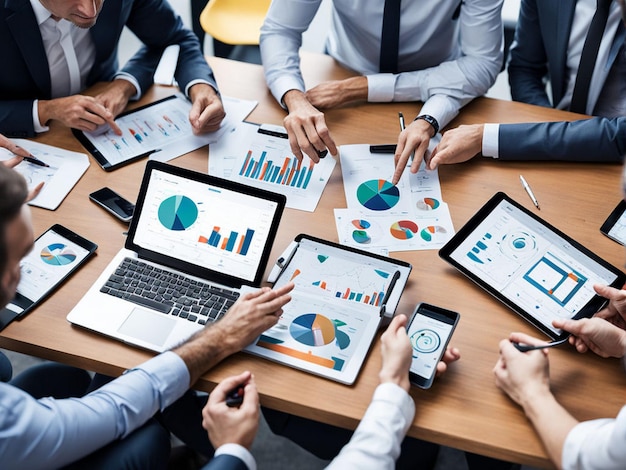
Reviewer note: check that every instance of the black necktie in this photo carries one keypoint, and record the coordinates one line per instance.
(390, 37)
(589, 56)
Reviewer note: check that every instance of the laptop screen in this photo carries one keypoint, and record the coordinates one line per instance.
(204, 225)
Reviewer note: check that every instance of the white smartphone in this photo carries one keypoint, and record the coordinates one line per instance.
(113, 203)
(429, 330)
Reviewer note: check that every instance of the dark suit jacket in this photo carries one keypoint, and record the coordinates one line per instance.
(540, 49)
(26, 77)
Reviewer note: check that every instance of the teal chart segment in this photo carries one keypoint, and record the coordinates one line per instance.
(178, 213)
(57, 254)
(378, 195)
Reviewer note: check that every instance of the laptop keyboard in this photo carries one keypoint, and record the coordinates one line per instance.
(168, 292)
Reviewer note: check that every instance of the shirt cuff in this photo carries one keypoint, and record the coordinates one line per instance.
(490, 140)
(238, 451)
(36, 124)
(129, 78)
(381, 87)
(195, 82)
(170, 374)
(393, 393)
(442, 107)
(284, 84)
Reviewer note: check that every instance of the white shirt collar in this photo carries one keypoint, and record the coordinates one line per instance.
(40, 11)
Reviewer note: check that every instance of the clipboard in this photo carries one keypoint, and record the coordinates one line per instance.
(342, 297)
(159, 127)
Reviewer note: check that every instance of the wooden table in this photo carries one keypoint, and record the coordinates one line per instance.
(463, 409)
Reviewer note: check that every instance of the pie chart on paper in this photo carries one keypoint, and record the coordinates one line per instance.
(429, 233)
(404, 229)
(427, 204)
(378, 195)
(57, 254)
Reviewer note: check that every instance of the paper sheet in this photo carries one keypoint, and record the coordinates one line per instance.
(65, 170)
(264, 160)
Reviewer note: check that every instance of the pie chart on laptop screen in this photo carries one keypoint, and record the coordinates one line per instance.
(178, 213)
(378, 195)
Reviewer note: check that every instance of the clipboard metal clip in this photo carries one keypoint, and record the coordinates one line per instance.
(282, 262)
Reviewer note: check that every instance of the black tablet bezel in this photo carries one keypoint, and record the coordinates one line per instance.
(99, 157)
(588, 310)
(612, 219)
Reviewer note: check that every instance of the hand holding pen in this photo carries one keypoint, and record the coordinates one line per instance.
(21, 154)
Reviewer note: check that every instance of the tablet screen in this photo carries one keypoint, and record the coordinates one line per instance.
(529, 265)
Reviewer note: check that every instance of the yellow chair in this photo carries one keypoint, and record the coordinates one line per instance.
(235, 22)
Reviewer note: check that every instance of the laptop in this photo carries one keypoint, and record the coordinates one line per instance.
(195, 244)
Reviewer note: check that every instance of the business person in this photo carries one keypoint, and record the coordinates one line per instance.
(550, 43)
(525, 377)
(50, 433)
(374, 444)
(444, 53)
(53, 49)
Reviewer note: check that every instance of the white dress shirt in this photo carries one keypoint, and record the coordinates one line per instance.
(596, 444)
(445, 62)
(376, 441)
(609, 101)
(50, 433)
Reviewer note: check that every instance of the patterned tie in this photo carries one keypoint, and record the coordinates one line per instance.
(588, 57)
(390, 37)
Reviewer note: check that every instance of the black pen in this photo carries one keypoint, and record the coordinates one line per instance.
(35, 161)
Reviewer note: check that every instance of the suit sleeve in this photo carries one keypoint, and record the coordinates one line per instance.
(589, 140)
(528, 63)
(16, 118)
(158, 26)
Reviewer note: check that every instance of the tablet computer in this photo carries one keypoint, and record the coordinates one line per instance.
(339, 301)
(614, 226)
(145, 130)
(529, 265)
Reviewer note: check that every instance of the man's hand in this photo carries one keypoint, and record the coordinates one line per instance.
(457, 145)
(413, 140)
(602, 337)
(335, 93)
(19, 152)
(396, 353)
(232, 425)
(523, 376)
(207, 110)
(306, 127)
(81, 112)
(115, 96)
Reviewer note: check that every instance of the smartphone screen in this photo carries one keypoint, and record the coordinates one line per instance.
(615, 225)
(114, 203)
(429, 333)
(55, 255)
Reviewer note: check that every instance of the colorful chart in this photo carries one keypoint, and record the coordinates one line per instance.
(378, 195)
(430, 232)
(178, 213)
(312, 329)
(288, 172)
(425, 341)
(360, 235)
(234, 243)
(427, 204)
(404, 229)
(57, 254)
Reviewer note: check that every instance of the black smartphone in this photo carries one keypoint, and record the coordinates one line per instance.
(57, 253)
(614, 226)
(114, 203)
(429, 330)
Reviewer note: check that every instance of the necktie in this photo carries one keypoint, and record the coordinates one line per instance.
(390, 37)
(588, 57)
(64, 70)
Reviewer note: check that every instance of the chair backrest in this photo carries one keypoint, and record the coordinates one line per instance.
(234, 21)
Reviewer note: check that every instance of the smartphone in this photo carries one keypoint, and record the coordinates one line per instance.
(429, 330)
(614, 226)
(114, 203)
(57, 253)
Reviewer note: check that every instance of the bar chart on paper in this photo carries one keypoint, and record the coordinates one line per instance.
(287, 171)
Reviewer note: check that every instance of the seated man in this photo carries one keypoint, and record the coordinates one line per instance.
(49, 433)
(549, 44)
(376, 441)
(442, 53)
(52, 50)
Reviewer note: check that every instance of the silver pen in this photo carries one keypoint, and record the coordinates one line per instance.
(529, 192)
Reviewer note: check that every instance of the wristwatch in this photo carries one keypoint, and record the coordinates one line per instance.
(430, 120)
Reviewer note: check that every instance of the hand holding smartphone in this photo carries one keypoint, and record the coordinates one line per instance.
(429, 330)
(113, 203)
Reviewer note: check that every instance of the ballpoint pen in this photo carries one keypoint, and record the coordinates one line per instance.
(529, 191)
(401, 117)
(35, 161)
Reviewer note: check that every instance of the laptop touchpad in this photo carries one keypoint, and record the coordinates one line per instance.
(147, 326)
